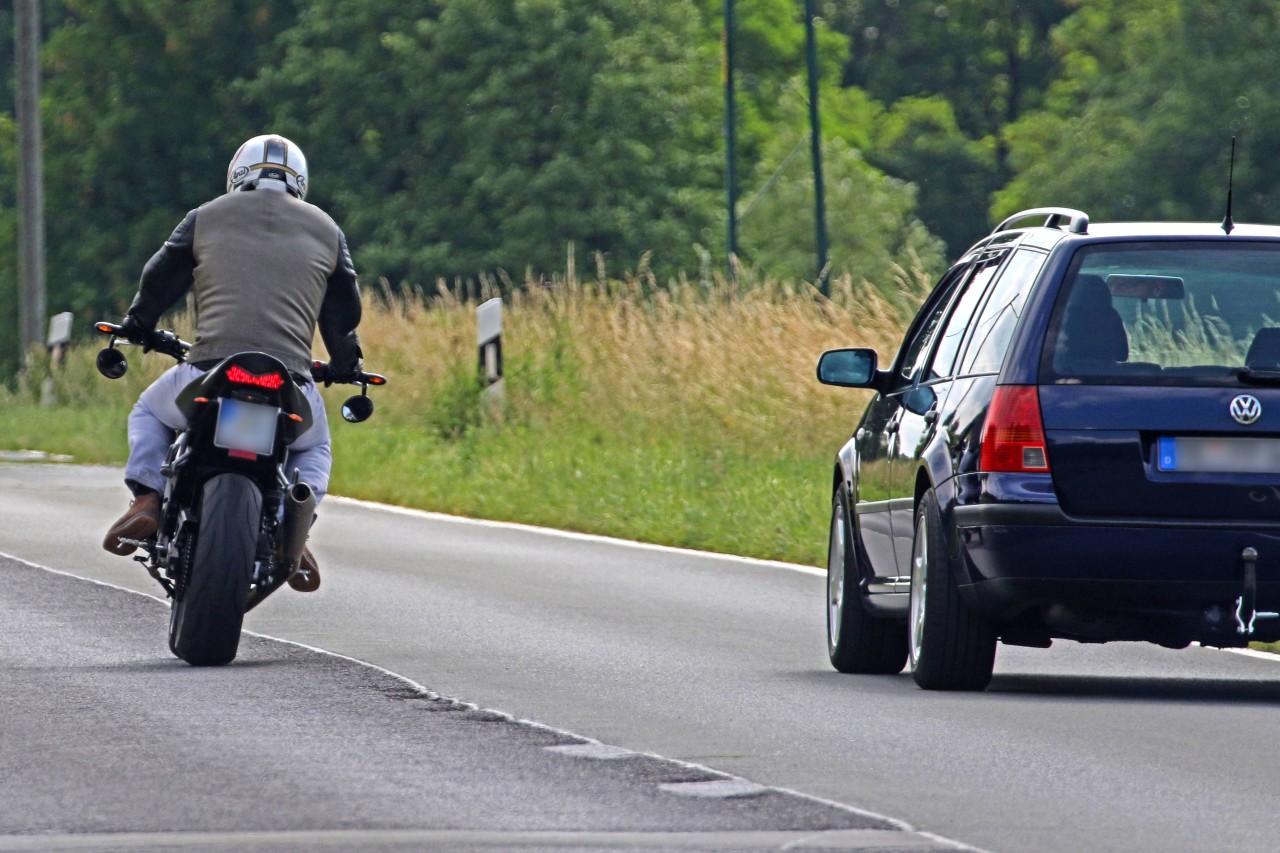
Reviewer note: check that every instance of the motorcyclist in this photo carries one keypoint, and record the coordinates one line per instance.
(267, 268)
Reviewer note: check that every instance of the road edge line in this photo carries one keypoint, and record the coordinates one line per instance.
(429, 515)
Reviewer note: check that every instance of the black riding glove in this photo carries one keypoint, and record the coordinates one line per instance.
(346, 363)
(133, 329)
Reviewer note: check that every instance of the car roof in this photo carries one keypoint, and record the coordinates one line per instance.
(1181, 229)
(1063, 223)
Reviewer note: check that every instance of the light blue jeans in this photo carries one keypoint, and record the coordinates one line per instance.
(155, 418)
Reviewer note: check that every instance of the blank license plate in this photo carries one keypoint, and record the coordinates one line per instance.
(1219, 455)
(246, 427)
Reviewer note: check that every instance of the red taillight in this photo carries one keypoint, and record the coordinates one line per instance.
(1013, 436)
(273, 381)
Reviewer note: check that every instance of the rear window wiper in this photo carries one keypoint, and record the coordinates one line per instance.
(1259, 377)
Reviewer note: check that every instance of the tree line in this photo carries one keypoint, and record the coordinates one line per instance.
(452, 138)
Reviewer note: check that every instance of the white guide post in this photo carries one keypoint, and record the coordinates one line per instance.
(489, 343)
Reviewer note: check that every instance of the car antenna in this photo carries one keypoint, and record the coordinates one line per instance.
(1227, 224)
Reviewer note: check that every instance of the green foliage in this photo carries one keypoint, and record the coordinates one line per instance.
(953, 75)
(8, 244)
(456, 407)
(770, 56)
(139, 121)
(990, 59)
(451, 139)
(495, 131)
(1140, 125)
(920, 138)
(871, 223)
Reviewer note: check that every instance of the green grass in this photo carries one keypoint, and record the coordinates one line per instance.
(94, 436)
(632, 483)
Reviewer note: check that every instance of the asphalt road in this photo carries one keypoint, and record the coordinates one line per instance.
(721, 663)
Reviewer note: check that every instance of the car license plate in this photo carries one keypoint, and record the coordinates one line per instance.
(1219, 455)
(246, 427)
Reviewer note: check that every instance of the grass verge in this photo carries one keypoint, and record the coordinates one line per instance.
(684, 416)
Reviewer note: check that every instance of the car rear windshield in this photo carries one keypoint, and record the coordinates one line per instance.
(1168, 313)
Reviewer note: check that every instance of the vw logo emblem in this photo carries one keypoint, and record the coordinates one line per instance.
(1246, 409)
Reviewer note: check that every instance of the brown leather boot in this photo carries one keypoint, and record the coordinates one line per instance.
(307, 577)
(140, 521)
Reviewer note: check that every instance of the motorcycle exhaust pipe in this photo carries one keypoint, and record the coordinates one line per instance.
(299, 512)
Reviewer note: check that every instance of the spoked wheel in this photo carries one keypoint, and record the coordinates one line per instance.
(857, 641)
(205, 620)
(952, 648)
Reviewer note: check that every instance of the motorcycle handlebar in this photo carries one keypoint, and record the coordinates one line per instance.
(171, 345)
(161, 341)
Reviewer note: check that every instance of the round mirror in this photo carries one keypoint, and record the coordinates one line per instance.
(112, 363)
(357, 409)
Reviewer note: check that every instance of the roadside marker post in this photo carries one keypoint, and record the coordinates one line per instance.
(489, 345)
(58, 338)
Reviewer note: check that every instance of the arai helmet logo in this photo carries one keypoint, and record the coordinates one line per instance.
(1246, 409)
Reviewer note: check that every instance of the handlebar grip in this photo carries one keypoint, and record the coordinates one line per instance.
(320, 372)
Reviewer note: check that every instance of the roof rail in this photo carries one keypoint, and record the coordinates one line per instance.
(1054, 218)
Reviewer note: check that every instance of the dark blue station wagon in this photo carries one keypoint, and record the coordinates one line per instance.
(1079, 439)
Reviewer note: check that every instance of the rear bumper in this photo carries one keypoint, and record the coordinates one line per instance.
(1017, 557)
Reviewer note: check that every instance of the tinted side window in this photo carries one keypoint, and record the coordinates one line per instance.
(917, 351)
(944, 359)
(993, 331)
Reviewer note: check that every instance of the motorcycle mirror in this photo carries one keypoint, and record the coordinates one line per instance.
(357, 409)
(112, 363)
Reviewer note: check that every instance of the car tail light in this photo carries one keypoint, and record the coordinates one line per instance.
(238, 374)
(1013, 436)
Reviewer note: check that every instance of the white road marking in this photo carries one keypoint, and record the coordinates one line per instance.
(448, 840)
(595, 750)
(569, 534)
(714, 789)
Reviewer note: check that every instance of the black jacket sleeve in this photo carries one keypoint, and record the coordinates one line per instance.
(168, 275)
(340, 314)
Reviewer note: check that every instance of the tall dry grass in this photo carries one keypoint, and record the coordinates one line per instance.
(733, 359)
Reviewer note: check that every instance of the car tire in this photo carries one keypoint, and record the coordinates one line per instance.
(951, 647)
(857, 641)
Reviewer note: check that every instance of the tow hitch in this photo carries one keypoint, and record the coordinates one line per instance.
(1246, 615)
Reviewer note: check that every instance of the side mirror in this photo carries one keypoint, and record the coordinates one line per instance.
(919, 400)
(848, 368)
(112, 363)
(357, 409)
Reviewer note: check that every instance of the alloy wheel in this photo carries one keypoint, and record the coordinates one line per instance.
(835, 575)
(919, 586)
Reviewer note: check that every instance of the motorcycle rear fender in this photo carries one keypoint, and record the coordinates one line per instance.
(288, 397)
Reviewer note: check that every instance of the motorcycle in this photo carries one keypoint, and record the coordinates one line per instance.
(233, 524)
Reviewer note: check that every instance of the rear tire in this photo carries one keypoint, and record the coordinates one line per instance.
(204, 625)
(952, 647)
(857, 641)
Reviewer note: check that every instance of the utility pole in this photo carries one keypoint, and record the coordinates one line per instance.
(730, 135)
(31, 281)
(815, 133)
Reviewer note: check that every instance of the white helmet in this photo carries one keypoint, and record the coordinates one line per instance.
(273, 158)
